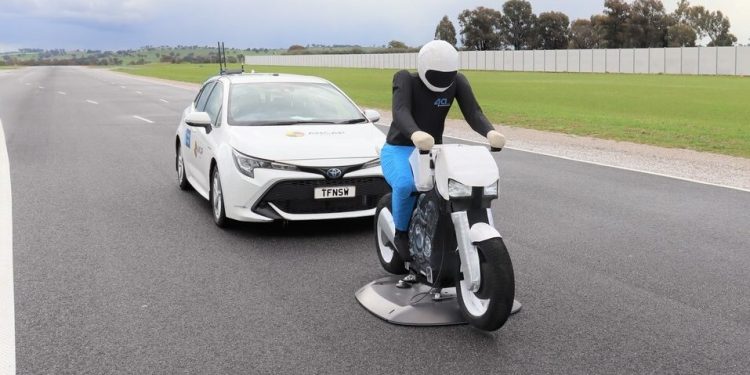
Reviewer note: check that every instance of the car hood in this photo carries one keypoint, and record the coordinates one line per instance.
(309, 144)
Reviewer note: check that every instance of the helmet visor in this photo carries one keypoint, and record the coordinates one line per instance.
(440, 79)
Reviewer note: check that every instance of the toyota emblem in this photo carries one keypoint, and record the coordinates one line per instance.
(333, 173)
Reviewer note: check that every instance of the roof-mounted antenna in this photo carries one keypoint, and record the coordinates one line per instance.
(223, 62)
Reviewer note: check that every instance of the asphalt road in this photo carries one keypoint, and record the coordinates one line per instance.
(118, 271)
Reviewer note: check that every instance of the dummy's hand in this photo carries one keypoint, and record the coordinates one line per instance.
(496, 139)
(422, 140)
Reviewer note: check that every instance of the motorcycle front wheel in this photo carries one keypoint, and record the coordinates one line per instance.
(386, 250)
(489, 307)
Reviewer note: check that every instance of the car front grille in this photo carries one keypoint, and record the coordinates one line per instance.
(298, 196)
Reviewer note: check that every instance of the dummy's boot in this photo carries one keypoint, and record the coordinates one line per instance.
(401, 240)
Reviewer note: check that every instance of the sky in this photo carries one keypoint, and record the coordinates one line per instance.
(125, 24)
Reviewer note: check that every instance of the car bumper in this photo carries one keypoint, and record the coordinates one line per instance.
(288, 195)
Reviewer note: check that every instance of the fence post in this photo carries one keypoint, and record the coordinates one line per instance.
(681, 53)
(606, 55)
(717, 60)
(736, 59)
(699, 60)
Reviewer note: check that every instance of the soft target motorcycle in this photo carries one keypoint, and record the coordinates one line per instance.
(453, 240)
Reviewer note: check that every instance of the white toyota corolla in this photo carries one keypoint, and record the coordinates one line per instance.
(264, 147)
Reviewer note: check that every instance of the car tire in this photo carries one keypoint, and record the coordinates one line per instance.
(217, 200)
(182, 180)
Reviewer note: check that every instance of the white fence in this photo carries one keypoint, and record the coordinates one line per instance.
(689, 60)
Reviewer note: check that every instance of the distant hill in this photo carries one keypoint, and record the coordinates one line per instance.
(176, 55)
(143, 55)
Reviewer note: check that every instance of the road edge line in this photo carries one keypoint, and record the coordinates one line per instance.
(7, 314)
(601, 164)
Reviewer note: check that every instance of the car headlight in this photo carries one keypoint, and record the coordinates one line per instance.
(247, 164)
(459, 190)
(371, 163)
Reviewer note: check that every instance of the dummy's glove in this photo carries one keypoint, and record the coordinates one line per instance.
(423, 140)
(496, 139)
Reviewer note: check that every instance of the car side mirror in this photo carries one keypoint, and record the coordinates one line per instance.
(372, 115)
(199, 120)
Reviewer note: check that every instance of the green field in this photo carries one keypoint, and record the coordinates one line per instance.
(699, 113)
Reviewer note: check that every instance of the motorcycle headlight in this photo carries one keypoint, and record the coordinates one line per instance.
(458, 190)
(246, 164)
(371, 163)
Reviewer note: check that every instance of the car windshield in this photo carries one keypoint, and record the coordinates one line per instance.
(290, 103)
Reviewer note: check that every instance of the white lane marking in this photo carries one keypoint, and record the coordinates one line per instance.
(62, 93)
(27, 84)
(91, 101)
(598, 164)
(164, 100)
(7, 314)
(139, 93)
(41, 87)
(123, 87)
(610, 166)
(143, 119)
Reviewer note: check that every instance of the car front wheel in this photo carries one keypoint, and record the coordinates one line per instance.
(217, 200)
(182, 180)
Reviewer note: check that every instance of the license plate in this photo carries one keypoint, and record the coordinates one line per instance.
(335, 192)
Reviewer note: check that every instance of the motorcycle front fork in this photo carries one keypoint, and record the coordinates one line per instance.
(466, 236)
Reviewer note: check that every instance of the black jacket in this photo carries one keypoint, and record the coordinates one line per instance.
(415, 107)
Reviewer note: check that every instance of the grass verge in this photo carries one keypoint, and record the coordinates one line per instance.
(703, 113)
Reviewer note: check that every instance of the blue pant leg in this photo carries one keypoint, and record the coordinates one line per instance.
(398, 174)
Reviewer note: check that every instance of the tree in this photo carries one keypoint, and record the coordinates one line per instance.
(445, 31)
(480, 28)
(705, 24)
(583, 35)
(552, 30)
(717, 28)
(295, 47)
(599, 27)
(395, 44)
(615, 24)
(518, 24)
(647, 25)
(681, 35)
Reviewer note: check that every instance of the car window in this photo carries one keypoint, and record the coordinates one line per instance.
(282, 103)
(200, 100)
(213, 105)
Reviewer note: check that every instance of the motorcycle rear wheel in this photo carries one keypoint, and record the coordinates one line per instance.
(489, 308)
(389, 258)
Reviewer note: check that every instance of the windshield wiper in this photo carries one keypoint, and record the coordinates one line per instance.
(352, 121)
(296, 122)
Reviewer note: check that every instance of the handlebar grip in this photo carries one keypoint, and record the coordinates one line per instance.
(495, 149)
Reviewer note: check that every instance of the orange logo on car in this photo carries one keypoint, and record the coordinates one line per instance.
(295, 134)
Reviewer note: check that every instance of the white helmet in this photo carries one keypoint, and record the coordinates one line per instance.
(437, 65)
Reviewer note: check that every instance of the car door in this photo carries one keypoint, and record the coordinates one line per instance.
(206, 143)
(188, 141)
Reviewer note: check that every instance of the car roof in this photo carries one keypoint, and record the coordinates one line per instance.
(268, 77)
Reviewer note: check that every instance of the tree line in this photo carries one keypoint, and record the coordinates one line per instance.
(637, 24)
